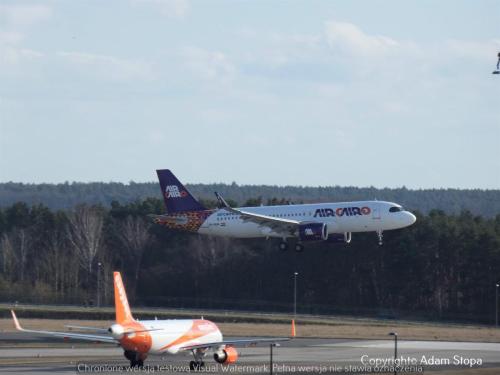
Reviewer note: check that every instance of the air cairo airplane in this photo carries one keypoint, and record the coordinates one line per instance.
(173, 336)
(331, 222)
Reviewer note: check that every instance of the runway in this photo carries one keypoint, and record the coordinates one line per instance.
(302, 356)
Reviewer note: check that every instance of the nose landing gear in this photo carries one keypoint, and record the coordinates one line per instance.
(135, 358)
(198, 363)
(380, 237)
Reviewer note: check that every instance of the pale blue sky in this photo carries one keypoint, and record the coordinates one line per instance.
(382, 93)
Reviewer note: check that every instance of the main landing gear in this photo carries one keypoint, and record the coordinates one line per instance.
(136, 359)
(283, 246)
(380, 237)
(198, 363)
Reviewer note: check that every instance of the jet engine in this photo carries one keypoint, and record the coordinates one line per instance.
(340, 237)
(117, 331)
(226, 356)
(313, 232)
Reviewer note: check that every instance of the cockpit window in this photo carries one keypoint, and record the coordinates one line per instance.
(395, 209)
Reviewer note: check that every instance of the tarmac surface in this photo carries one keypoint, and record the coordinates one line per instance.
(24, 353)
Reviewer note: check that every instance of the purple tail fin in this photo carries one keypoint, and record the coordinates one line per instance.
(177, 197)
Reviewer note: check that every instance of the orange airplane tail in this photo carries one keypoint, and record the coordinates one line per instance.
(122, 308)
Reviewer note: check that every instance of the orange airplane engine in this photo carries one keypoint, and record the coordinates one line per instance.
(226, 356)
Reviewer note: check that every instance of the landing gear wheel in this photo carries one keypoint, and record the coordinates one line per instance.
(299, 247)
(380, 237)
(133, 357)
(283, 246)
(193, 365)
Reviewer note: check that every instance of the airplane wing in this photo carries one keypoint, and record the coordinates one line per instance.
(242, 342)
(277, 224)
(86, 328)
(79, 336)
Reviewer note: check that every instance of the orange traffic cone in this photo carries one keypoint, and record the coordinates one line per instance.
(293, 327)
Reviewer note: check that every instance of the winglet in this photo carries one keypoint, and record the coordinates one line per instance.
(122, 308)
(293, 328)
(16, 322)
(221, 200)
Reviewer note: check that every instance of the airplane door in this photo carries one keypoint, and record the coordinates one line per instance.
(376, 212)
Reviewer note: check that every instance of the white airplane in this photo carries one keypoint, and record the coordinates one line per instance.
(173, 336)
(331, 222)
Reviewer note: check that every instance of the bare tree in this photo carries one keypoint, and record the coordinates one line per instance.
(56, 261)
(15, 247)
(22, 252)
(8, 260)
(134, 236)
(85, 235)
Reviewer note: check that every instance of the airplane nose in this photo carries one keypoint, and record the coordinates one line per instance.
(411, 218)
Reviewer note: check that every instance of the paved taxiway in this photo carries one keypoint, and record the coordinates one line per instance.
(300, 356)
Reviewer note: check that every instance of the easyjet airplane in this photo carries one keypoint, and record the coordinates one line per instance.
(173, 336)
(331, 222)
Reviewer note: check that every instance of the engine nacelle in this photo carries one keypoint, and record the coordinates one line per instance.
(226, 356)
(313, 232)
(340, 237)
(117, 331)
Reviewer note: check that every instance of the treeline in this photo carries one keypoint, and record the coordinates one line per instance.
(67, 195)
(443, 267)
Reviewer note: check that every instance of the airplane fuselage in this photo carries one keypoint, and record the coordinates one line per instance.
(358, 216)
(168, 336)
(139, 339)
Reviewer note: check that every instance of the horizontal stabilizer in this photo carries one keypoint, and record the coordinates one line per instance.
(176, 220)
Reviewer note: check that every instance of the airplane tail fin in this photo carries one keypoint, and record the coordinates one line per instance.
(177, 198)
(122, 308)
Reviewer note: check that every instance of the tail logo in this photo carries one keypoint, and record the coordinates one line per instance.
(172, 191)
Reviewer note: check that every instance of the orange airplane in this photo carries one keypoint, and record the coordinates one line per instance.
(172, 336)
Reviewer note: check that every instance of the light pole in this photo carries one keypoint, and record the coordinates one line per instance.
(395, 334)
(99, 264)
(271, 346)
(295, 274)
(496, 304)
